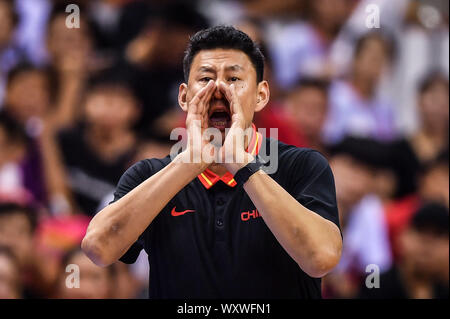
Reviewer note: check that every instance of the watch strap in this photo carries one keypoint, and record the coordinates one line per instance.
(243, 174)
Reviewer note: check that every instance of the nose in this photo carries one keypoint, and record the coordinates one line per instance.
(218, 95)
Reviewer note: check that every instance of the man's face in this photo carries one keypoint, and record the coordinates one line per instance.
(95, 282)
(6, 23)
(424, 251)
(434, 107)
(308, 108)
(9, 278)
(353, 181)
(371, 60)
(16, 234)
(62, 40)
(434, 185)
(230, 67)
(111, 108)
(28, 95)
(330, 14)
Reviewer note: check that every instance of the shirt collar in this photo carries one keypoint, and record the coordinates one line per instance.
(208, 178)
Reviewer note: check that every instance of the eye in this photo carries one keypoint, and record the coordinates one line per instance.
(205, 79)
(233, 79)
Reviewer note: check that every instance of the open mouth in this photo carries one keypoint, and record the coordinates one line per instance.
(219, 115)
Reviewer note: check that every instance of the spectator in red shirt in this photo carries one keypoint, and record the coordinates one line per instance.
(301, 116)
(433, 186)
(421, 270)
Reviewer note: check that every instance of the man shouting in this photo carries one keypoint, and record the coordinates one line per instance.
(226, 228)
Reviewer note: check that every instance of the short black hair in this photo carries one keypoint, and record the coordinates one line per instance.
(223, 37)
(368, 151)
(10, 208)
(431, 79)
(180, 14)
(440, 160)
(21, 67)
(114, 77)
(136, 16)
(431, 217)
(386, 38)
(26, 67)
(312, 82)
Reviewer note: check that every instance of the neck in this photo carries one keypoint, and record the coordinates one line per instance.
(218, 169)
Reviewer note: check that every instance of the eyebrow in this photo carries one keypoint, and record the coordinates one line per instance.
(207, 69)
(234, 67)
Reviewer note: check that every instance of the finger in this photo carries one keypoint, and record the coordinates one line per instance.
(195, 102)
(230, 93)
(235, 102)
(226, 91)
(205, 101)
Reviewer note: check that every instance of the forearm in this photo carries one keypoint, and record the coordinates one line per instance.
(59, 195)
(312, 241)
(114, 229)
(66, 108)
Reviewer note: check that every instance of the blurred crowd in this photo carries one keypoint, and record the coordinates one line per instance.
(78, 106)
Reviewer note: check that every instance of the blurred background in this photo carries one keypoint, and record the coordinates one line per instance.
(79, 106)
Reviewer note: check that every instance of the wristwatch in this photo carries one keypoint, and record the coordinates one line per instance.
(243, 174)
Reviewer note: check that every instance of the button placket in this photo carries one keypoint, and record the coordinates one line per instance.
(220, 205)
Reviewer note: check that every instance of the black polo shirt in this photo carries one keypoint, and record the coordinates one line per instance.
(209, 241)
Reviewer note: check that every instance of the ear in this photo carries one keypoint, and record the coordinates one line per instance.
(182, 97)
(263, 95)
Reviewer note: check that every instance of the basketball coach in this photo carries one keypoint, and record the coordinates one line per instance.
(224, 229)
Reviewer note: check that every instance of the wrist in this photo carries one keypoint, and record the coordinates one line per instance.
(244, 174)
(184, 158)
(235, 166)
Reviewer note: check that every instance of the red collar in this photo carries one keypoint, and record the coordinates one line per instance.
(208, 178)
